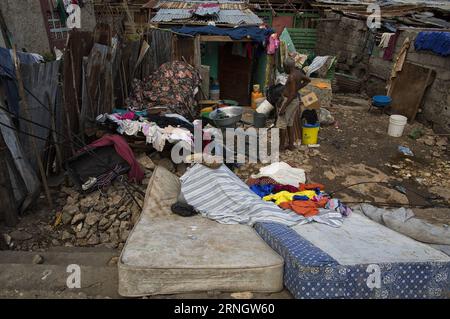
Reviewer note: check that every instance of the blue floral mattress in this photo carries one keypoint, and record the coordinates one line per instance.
(361, 259)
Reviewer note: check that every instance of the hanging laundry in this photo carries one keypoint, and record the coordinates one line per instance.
(274, 44)
(385, 38)
(390, 50)
(437, 42)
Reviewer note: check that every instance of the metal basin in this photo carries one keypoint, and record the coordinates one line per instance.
(233, 113)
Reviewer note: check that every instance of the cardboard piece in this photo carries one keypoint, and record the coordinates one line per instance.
(310, 101)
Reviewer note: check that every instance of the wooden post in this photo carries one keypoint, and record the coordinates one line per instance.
(24, 107)
(9, 209)
(54, 135)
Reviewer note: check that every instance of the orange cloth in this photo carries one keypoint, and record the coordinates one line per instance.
(306, 208)
(303, 187)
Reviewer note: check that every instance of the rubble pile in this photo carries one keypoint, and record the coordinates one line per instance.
(104, 218)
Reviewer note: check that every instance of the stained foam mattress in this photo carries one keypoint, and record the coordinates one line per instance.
(169, 254)
(361, 259)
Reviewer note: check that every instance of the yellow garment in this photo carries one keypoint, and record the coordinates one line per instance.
(285, 196)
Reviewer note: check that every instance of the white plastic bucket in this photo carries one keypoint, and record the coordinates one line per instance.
(397, 125)
(214, 94)
(265, 107)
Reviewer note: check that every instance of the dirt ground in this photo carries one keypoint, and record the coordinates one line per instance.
(355, 149)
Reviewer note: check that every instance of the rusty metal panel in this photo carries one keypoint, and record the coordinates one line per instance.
(98, 87)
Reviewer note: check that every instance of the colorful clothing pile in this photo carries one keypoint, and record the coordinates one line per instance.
(173, 85)
(155, 135)
(307, 200)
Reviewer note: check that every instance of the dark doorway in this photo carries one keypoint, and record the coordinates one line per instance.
(234, 75)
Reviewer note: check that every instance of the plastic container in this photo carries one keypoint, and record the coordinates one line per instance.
(259, 120)
(381, 101)
(310, 133)
(397, 125)
(256, 94)
(265, 108)
(214, 92)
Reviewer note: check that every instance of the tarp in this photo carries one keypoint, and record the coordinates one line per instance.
(438, 42)
(8, 75)
(255, 33)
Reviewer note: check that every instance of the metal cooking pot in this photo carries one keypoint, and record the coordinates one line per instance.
(234, 114)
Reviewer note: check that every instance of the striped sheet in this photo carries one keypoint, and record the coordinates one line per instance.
(220, 195)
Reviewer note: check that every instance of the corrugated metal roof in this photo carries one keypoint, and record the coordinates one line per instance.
(224, 5)
(234, 17)
(429, 3)
(169, 15)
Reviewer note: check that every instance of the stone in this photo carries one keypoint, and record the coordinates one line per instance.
(113, 261)
(168, 164)
(66, 235)
(242, 295)
(115, 200)
(104, 223)
(124, 235)
(101, 206)
(8, 239)
(37, 260)
(93, 240)
(70, 209)
(114, 238)
(429, 141)
(66, 218)
(78, 218)
(55, 242)
(441, 141)
(90, 200)
(79, 227)
(69, 191)
(124, 215)
(436, 154)
(104, 238)
(330, 175)
(70, 200)
(20, 235)
(82, 234)
(145, 162)
(92, 218)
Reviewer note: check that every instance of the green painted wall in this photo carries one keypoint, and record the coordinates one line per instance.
(210, 56)
(260, 73)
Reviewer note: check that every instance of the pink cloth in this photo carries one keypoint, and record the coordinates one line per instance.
(127, 116)
(123, 149)
(273, 45)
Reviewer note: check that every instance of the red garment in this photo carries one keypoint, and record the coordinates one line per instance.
(310, 187)
(123, 149)
(261, 181)
(278, 188)
(306, 208)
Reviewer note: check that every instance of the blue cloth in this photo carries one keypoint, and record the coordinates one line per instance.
(300, 197)
(255, 33)
(438, 42)
(262, 190)
(8, 76)
(8, 79)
